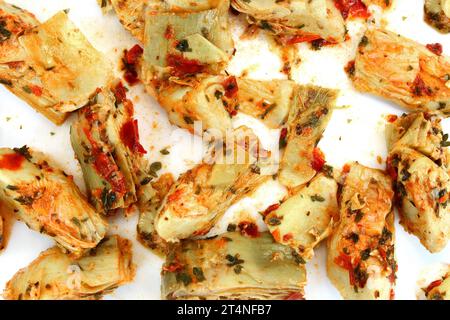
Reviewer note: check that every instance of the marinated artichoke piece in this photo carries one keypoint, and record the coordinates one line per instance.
(310, 20)
(439, 289)
(105, 138)
(361, 260)
(403, 71)
(306, 123)
(306, 217)
(269, 101)
(437, 14)
(48, 201)
(418, 131)
(148, 209)
(232, 266)
(202, 195)
(51, 66)
(179, 43)
(418, 162)
(55, 276)
(209, 99)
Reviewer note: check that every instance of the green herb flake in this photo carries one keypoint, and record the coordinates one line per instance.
(317, 198)
(198, 273)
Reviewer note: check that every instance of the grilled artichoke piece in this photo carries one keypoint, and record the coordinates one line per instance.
(439, 289)
(419, 164)
(232, 266)
(54, 275)
(361, 260)
(202, 195)
(105, 139)
(208, 99)
(148, 209)
(402, 70)
(182, 42)
(51, 66)
(437, 14)
(319, 19)
(306, 217)
(306, 124)
(48, 201)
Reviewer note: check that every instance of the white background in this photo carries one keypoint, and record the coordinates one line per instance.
(356, 132)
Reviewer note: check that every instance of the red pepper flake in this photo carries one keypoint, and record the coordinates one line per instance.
(288, 237)
(271, 208)
(391, 170)
(444, 198)
(169, 33)
(175, 196)
(392, 294)
(173, 267)
(318, 160)
(350, 68)
(106, 168)
(120, 92)
(249, 229)
(294, 296)
(36, 90)
(182, 66)
(11, 161)
(419, 87)
(130, 60)
(391, 118)
(433, 285)
(303, 38)
(352, 9)
(134, 54)
(436, 48)
(231, 87)
(129, 134)
(346, 168)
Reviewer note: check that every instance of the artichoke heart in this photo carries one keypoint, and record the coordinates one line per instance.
(105, 138)
(418, 161)
(55, 276)
(232, 267)
(361, 259)
(306, 217)
(306, 123)
(181, 42)
(437, 14)
(202, 195)
(48, 201)
(319, 19)
(403, 71)
(51, 66)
